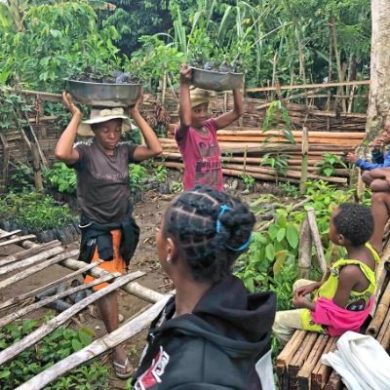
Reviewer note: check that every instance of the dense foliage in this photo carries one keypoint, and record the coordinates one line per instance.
(286, 41)
(272, 259)
(58, 345)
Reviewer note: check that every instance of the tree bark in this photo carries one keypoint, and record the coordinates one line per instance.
(379, 96)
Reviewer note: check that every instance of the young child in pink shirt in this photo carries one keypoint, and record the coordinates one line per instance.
(196, 135)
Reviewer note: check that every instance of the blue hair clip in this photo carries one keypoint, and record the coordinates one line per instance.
(218, 227)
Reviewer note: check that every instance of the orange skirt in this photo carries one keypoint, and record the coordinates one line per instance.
(117, 264)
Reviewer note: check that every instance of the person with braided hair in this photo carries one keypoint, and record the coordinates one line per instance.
(212, 334)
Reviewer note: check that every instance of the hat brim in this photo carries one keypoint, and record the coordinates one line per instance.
(85, 130)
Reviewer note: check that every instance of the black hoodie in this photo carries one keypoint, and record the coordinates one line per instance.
(215, 347)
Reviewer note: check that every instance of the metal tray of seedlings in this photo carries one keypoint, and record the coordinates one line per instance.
(104, 94)
(216, 81)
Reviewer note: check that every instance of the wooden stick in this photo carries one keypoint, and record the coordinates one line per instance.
(28, 252)
(36, 268)
(305, 159)
(384, 333)
(31, 260)
(17, 239)
(96, 348)
(380, 314)
(15, 300)
(28, 309)
(317, 240)
(305, 245)
(9, 234)
(132, 288)
(309, 86)
(53, 324)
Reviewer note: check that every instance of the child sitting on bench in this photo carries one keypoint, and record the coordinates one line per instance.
(344, 300)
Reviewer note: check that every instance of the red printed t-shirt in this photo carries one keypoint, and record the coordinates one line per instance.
(201, 156)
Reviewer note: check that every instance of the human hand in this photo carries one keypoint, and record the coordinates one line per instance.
(300, 302)
(304, 290)
(185, 74)
(351, 157)
(135, 107)
(69, 104)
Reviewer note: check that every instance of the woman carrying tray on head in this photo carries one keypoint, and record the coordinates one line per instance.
(196, 135)
(108, 231)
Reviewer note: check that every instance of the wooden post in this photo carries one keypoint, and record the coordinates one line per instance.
(305, 245)
(6, 158)
(305, 157)
(37, 168)
(317, 242)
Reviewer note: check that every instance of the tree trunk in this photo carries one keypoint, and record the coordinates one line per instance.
(379, 97)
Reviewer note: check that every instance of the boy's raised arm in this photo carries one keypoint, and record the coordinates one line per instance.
(184, 99)
(228, 118)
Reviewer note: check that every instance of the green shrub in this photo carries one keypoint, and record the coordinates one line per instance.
(61, 178)
(34, 210)
(56, 346)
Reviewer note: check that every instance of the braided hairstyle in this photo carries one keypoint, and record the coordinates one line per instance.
(355, 222)
(210, 229)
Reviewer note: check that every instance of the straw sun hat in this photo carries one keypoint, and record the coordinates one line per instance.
(200, 96)
(103, 115)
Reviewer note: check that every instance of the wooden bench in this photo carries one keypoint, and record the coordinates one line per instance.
(299, 366)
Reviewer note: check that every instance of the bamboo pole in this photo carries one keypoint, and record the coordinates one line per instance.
(380, 313)
(42, 331)
(15, 300)
(133, 288)
(310, 86)
(28, 252)
(305, 160)
(36, 268)
(43, 302)
(31, 260)
(317, 241)
(17, 239)
(96, 348)
(9, 234)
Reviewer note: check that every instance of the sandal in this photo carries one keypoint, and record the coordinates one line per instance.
(123, 371)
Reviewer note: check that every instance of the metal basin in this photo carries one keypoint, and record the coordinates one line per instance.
(216, 81)
(104, 94)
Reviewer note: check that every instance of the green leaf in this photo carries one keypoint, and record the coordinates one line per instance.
(281, 234)
(280, 260)
(292, 236)
(76, 345)
(270, 252)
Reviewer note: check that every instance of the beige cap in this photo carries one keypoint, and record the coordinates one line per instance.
(103, 115)
(200, 96)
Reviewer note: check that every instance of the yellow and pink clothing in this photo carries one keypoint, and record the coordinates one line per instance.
(201, 156)
(327, 317)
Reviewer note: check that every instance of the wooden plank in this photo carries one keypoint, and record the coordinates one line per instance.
(17, 239)
(36, 268)
(286, 355)
(321, 372)
(334, 382)
(28, 252)
(299, 358)
(38, 334)
(15, 300)
(304, 374)
(9, 234)
(384, 333)
(31, 260)
(96, 348)
(35, 306)
(308, 86)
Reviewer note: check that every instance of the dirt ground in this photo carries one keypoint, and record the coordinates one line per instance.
(148, 214)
